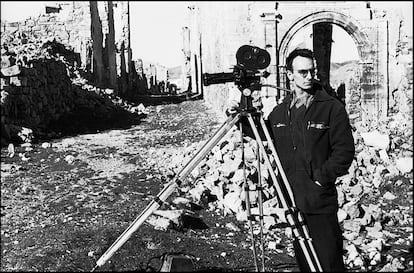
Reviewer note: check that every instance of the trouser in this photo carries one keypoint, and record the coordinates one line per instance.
(326, 237)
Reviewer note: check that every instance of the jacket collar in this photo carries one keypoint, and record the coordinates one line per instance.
(319, 94)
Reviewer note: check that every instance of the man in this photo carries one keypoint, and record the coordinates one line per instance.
(314, 141)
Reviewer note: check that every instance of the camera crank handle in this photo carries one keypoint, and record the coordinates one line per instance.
(277, 87)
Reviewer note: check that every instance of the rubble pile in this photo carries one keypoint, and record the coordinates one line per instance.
(374, 198)
(41, 82)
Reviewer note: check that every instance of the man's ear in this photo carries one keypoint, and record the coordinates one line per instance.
(289, 75)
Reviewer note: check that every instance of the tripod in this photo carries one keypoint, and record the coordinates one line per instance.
(293, 215)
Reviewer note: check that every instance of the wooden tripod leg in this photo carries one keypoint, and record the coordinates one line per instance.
(168, 189)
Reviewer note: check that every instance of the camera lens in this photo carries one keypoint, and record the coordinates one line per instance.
(247, 55)
(261, 59)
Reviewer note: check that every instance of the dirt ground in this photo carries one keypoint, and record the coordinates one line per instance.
(62, 206)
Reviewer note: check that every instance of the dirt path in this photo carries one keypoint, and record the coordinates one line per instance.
(64, 205)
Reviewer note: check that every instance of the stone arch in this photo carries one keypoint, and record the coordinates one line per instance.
(362, 42)
(350, 26)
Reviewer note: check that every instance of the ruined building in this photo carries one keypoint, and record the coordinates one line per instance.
(379, 83)
(45, 61)
(97, 33)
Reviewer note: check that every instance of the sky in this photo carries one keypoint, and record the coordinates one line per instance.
(343, 46)
(156, 29)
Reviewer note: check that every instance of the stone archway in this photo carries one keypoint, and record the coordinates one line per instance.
(364, 88)
(333, 17)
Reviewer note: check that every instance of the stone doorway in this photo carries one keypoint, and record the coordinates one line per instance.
(366, 95)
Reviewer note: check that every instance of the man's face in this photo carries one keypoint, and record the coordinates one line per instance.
(302, 73)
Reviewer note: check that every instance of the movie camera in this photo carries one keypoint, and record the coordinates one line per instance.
(246, 72)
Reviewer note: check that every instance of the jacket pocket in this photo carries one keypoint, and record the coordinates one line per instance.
(280, 130)
(315, 125)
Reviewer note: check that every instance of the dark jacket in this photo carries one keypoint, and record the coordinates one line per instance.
(328, 150)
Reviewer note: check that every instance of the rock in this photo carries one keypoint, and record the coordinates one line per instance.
(159, 223)
(46, 145)
(356, 190)
(389, 196)
(26, 134)
(181, 200)
(352, 252)
(375, 232)
(384, 156)
(232, 226)
(394, 266)
(109, 91)
(341, 215)
(351, 225)
(376, 139)
(405, 164)
(358, 262)
(375, 257)
(177, 219)
(352, 209)
(376, 181)
(232, 201)
(11, 71)
(197, 191)
(69, 159)
(10, 150)
(272, 245)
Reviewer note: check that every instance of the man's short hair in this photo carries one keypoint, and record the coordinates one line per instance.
(302, 52)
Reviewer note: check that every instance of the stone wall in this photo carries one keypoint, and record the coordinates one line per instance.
(46, 88)
(36, 94)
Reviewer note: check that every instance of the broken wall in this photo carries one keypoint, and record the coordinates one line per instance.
(41, 59)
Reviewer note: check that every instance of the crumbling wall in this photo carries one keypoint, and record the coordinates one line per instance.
(42, 83)
(45, 86)
(46, 68)
(71, 28)
(401, 60)
(36, 94)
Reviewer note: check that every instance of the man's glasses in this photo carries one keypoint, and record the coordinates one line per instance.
(304, 72)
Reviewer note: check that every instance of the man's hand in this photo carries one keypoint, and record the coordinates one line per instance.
(234, 100)
(232, 107)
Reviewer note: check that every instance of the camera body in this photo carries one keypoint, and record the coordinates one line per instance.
(246, 72)
(246, 75)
